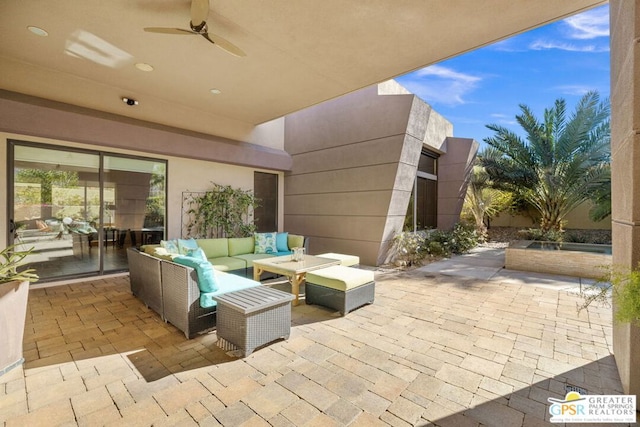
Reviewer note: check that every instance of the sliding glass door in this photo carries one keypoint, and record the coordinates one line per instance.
(79, 210)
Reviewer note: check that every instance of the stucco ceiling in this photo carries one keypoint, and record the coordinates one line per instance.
(299, 52)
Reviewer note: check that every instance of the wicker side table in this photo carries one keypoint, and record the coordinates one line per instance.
(250, 318)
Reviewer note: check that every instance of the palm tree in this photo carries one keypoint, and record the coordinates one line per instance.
(482, 201)
(560, 164)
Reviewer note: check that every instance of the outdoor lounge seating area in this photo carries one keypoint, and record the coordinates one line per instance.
(444, 350)
(185, 291)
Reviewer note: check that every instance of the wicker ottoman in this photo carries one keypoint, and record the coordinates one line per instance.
(339, 287)
(250, 318)
(346, 260)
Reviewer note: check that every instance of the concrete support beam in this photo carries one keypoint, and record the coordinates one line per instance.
(625, 176)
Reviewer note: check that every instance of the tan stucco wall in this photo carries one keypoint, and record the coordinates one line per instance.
(625, 167)
(26, 115)
(346, 156)
(453, 178)
(354, 164)
(577, 219)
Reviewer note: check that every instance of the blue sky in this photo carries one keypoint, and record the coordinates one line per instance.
(564, 59)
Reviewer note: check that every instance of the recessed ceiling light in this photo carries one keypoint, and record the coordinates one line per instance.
(37, 31)
(215, 91)
(144, 67)
(129, 101)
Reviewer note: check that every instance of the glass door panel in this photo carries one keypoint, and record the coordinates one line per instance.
(56, 203)
(79, 210)
(134, 200)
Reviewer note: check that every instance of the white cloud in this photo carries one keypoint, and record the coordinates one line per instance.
(438, 84)
(589, 25)
(578, 90)
(576, 30)
(550, 44)
(503, 119)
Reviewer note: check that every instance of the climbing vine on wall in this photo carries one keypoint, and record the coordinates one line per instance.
(223, 211)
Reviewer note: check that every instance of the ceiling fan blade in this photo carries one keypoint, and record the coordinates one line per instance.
(164, 30)
(224, 44)
(199, 11)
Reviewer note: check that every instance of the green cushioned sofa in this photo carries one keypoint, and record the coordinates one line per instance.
(172, 289)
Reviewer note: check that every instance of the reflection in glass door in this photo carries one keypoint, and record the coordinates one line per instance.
(79, 210)
(134, 201)
(56, 205)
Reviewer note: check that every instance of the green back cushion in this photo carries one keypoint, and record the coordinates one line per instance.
(214, 248)
(206, 274)
(149, 249)
(295, 241)
(162, 253)
(241, 246)
(265, 243)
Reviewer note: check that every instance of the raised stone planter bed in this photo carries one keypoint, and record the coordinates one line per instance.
(568, 259)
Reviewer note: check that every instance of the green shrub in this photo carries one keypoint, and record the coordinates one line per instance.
(436, 248)
(409, 248)
(627, 297)
(412, 248)
(460, 240)
(602, 237)
(545, 236)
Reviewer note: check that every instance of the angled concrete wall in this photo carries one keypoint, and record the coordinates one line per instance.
(354, 164)
(453, 177)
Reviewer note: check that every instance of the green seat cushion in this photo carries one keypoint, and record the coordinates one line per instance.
(163, 253)
(149, 249)
(228, 263)
(249, 258)
(340, 277)
(241, 246)
(214, 248)
(346, 260)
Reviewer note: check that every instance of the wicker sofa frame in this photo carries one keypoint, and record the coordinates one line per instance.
(171, 290)
(145, 278)
(181, 297)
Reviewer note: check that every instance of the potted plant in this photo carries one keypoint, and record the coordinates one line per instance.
(14, 292)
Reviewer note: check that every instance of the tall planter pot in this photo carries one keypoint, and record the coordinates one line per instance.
(13, 314)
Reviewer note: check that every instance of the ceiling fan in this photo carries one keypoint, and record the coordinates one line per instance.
(198, 24)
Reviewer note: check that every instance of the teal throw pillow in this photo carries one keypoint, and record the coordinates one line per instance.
(170, 245)
(197, 254)
(186, 245)
(282, 244)
(206, 274)
(265, 243)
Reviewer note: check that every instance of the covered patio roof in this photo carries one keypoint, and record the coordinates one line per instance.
(297, 53)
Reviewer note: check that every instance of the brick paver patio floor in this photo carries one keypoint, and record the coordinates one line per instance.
(431, 351)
